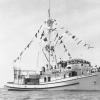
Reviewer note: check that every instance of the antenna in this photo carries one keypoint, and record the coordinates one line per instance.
(49, 10)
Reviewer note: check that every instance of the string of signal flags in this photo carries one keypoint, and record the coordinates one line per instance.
(77, 40)
(27, 46)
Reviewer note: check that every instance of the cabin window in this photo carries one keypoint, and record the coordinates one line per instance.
(49, 79)
(44, 79)
(31, 81)
(69, 67)
(72, 74)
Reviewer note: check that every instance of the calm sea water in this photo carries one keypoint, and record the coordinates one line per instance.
(49, 95)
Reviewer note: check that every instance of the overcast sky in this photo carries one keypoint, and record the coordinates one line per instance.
(20, 20)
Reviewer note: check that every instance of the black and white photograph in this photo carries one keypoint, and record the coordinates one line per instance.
(49, 50)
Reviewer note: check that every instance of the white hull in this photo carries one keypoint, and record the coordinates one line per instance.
(91, 82)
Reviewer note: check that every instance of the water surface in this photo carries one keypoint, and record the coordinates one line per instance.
(49, 95)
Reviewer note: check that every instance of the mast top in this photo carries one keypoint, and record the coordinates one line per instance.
(50, 21)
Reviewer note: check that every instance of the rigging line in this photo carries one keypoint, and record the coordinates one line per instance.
(59, 38)
(45, 55)
(55, 58)
(22, 52)
(67, 51)
(38, 59)
(79, 41)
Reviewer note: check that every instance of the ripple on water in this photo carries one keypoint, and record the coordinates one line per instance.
(49, 95)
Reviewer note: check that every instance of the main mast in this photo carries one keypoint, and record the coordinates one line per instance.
(50, 25)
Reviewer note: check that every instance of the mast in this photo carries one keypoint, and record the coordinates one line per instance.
(49, 13)
(50, 24)
(49, 31)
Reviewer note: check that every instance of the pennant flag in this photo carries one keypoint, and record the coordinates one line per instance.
(38, 31)
(21, 53)
(17, 58)
(85, 45)
(56, 36)
(73, 37)
(36, 35)
(61, 42)
(25, 48)
(79, 42)
(45, 39)
(52, 48)
(90, 47)
(64, 46)
(67, 31)
(69, 54)
(42, 35)
(60, 37)
(28, 45)
(47, 47)
(58, 40)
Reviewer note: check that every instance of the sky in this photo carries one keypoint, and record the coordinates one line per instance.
(20, 20)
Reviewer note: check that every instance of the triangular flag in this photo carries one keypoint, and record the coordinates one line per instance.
(85, 44)
(38, 31)
(28, 45)
(17, 58)
(61, 41)
(21, 53)
(36, 35)
(56, 36)
(66, 31)
(90, 47)
(42, 35)
(45, 39)
(60, 37)
(52, 48)
(73, 37)
(64, 46)
(69, 54)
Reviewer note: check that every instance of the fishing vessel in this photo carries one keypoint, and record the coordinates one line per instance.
(57, 73)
